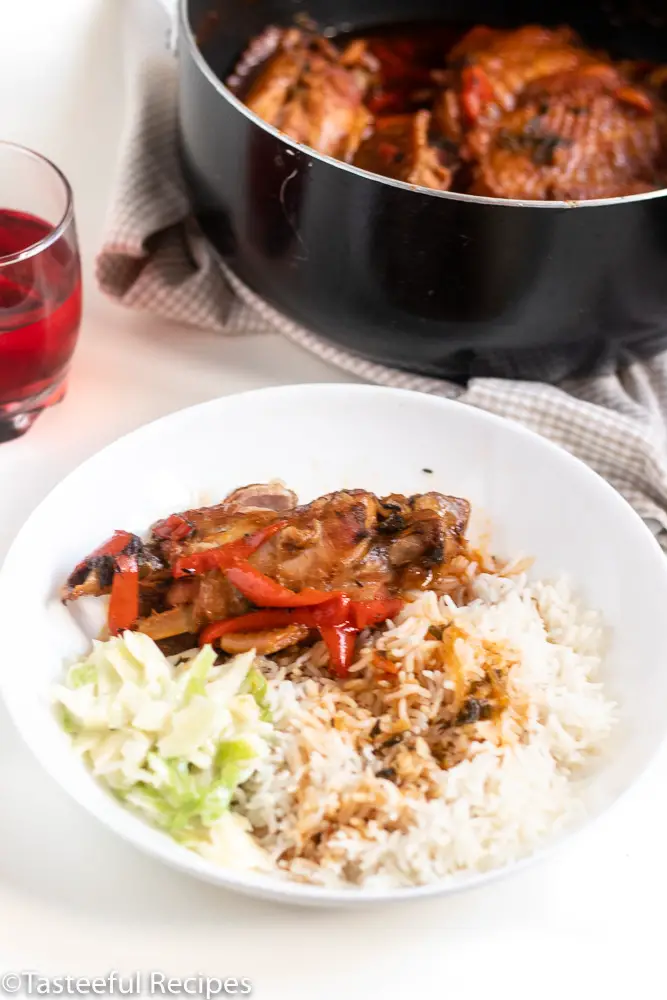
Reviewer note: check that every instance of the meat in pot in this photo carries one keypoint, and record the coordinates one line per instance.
(526, 114)
(312, 91)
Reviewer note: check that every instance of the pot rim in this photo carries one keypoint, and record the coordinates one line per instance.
(186, 31)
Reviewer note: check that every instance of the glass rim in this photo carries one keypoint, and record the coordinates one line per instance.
(57, 229)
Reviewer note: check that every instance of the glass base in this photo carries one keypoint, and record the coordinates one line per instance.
(17, 418)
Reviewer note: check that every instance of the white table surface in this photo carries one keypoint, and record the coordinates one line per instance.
(74, 900)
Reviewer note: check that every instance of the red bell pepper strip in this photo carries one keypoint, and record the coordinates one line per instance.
(328, 615)
(175, 528)
(366, 614)
(124, 603)
(224, 556)
(339, 640)
(329, 619)
(266, 593)
(256, 621)
(333, 612)
(476, 92)
(338, 619)
(113, 546)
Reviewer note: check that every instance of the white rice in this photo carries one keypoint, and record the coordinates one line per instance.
(322, 812)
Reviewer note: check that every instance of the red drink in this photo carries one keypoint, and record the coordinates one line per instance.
(40, 286)
(40, 309)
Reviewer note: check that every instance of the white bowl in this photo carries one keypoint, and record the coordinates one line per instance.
(320, 438)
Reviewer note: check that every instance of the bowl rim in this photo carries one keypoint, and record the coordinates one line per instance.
(126, 824)
(186, 31)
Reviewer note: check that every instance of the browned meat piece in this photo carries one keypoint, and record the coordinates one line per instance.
(580, 85)
(261, 48)
(358, 57)
(401, 147)
(489, 69)
(212, 596)
(243, 511)
(216, 599)
(454, 512)
(326, 110)
(262, 496)
(328, 544)
(346, 540)
(264, 643)
(429, 528)
(278, 80)
(350, 541)
(183, 591)
(312, 92)
(574, 136)
(512, 59)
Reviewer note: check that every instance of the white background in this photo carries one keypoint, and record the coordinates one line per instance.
(72, 899)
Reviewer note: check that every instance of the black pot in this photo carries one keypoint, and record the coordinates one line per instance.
(437, 283)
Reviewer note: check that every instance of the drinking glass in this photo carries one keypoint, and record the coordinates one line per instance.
(40, 286)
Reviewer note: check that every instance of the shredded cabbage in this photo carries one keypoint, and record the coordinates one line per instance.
(255, 684)
(173, 740)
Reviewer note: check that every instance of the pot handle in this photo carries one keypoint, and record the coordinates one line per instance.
(150, 30)
(170, 7)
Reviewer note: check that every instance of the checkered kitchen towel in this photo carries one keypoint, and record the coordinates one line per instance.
(154, 259)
